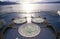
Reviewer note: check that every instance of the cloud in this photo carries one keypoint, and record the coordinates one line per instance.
(31, 0)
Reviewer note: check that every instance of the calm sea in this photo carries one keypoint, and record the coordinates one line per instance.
(30, 7)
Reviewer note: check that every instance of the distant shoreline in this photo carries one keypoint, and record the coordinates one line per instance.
(45, 2)
(7, 3)
(12, 3)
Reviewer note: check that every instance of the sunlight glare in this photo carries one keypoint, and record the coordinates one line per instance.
(27, 8)
(29, 1)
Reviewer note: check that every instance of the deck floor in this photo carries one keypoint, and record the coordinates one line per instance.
(45, 33)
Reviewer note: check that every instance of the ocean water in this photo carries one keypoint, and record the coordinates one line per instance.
(30, 7)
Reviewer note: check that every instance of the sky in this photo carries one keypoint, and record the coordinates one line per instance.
(31, 0)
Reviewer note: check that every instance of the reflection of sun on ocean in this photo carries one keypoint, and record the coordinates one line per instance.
(28, 18)
(27, 8)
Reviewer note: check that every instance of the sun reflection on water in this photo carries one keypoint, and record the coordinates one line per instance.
(28, 18)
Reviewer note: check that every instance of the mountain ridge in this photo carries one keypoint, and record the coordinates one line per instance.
(7, 3)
